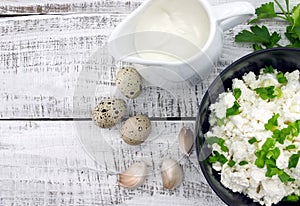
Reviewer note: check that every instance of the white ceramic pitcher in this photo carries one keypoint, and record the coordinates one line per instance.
(199, 61)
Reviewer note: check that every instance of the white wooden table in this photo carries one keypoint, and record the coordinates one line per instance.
(54, 68)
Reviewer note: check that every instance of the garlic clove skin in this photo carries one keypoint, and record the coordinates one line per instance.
(172, 174)
(186, 140)
(134, 176)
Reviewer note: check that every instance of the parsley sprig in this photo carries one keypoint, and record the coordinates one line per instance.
(261, 37)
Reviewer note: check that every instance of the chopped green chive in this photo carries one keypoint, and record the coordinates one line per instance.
(289, 132)
(266, 92)
(272, 123)
(271, 171)
(269, 143)
(242, 163)
(281, 78)
(291, 198)
(237, 93)
(279, 135)
(284, 177)
(293, 160)
(234, 110)
(217, 157)
(260, 162)
(219, 141)
(273, 153)
(252, 140)
(231, 163)
(289, 147)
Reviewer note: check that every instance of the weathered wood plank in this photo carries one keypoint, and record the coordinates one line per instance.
(99, 6)
(44, 163)
(10, 7)
(58, 66)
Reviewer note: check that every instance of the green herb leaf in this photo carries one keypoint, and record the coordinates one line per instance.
(271, 171)
(212, 159)
(291, 198)
(252, 140)
(268, 69)
(279, 136)
(290, 147)
(293, 35)
(261, 37)
(269, 144)
(217, 157)
(266, 92)
(293, 161)
(273, 154)
(242, 163)
(278, 92)
(281, 78)
(284, 177)
(258, 35)
(260, 162)
(237, 93)
(296, 15)
(265, 11)
(261, 157)
(220, 122)
(231, 163)
(257, 47)
(222, 159)
(221, 143)
(272, 123)
(212, 140)
(297, 32)
(234, 110)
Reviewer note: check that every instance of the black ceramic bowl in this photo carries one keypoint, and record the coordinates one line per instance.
(282, 59)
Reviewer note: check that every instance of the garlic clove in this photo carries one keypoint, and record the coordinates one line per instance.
(134, 176)
(186, 140)
(172, 174)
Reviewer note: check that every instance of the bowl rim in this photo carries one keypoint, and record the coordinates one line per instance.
(204, 99)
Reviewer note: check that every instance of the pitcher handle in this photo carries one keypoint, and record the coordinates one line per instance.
(231, 14)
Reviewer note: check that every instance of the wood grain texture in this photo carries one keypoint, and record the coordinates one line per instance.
(44, 163)
(8, 7)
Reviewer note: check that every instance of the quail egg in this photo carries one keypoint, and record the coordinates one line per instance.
(109, 112)
(136, 129)
(129, 82)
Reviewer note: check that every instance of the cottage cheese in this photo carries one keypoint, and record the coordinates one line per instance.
(238, 129)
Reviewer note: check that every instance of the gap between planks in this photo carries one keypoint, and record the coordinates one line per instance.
(158, 119)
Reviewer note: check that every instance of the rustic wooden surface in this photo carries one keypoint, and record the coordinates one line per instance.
(54, 69)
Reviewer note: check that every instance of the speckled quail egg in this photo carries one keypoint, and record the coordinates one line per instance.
(129, 82)
(109, 112)
(136, 129)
